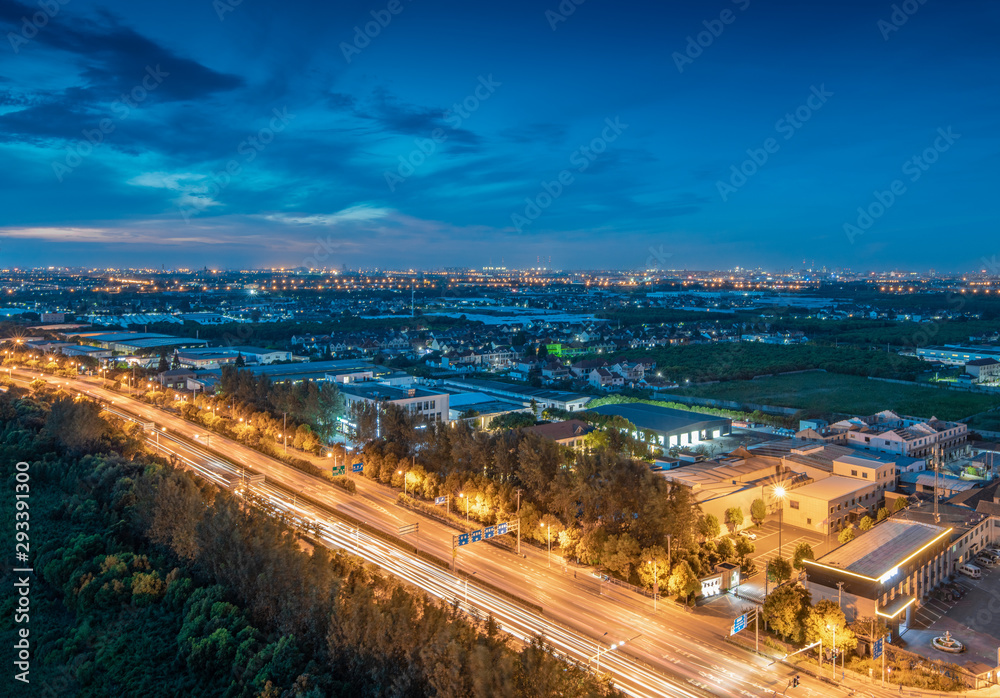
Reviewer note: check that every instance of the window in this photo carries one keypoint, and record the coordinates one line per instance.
(864, 475)
(792, 504)
(854, 473)
(832, 510)
(809, 522)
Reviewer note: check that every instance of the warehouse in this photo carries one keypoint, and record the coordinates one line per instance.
(673, 428)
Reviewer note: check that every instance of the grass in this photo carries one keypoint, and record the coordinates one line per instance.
(986, 422)
(830, 393)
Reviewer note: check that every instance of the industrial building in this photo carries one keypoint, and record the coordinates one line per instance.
(673, 428)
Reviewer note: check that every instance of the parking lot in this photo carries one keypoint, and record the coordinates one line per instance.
(974, 619)
(977, 595)
(767, 542)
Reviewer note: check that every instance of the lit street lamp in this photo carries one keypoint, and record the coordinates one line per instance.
(548, 535)
(779, 493)
(656, 583)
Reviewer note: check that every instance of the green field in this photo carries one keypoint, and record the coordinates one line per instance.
(823, 394)
(986, 422)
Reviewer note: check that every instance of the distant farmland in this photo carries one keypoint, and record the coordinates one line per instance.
(819, 394)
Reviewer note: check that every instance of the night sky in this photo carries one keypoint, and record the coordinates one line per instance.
(428, 133)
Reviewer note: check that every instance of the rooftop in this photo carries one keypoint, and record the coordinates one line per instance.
(660, 419)
(884, 548)
(833, 487)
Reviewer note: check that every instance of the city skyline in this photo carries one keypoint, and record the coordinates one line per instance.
(397, 135)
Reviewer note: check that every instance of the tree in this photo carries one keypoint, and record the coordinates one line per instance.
(176, 361)
(646, 568)
(866, 523)
(900, 504)
(779, 570)
(758, 511)
(734, 518)
(709, 527)
(164, 365)
(846, 534)
(785, 611)
(683, 582)
(803, 551)
(725, 550)
(240, 361)
(823, 620)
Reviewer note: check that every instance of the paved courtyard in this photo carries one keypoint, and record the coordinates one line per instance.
(974, 620)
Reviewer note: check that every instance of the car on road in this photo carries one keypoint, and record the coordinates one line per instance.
(748, 534)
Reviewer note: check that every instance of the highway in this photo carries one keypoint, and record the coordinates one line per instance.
(668, 652)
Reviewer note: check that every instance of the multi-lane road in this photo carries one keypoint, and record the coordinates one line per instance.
(669, 651)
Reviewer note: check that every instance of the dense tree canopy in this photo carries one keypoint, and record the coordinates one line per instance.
(153, 583)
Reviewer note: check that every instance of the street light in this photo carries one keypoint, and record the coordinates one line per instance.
(834, 629)
(656, 583)
(548, 535)
(462, 494)
(400, 472)
(612, 648)
(779, 493)
(467, 590)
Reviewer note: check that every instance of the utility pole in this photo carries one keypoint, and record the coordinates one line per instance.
(518, 515)
(937, 467)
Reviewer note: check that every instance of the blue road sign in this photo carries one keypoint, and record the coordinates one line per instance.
(739, 624)
(489, 532)
(477, 536)
(357, 467)
(877, 649)
(501, 529)
(463, 539)
(440, 500)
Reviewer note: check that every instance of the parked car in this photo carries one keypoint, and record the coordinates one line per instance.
(748, 534)
(985, 560)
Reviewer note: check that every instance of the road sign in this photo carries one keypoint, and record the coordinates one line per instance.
(877, 649)
(477, 536)
(501, 528)
(463, 539)
(739, 624)
(489, 532)
(406, 529)
(440, 500)
(357, 467)
(339, 469)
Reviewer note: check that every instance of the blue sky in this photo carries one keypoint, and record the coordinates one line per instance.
(475, 133)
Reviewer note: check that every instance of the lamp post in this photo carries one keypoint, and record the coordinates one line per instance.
(462, 495)
(656, 583)
(284, 428)
(400, 472)
(467, 590)
(834, 629)
(612, 648)
(779, 493)
(548, 536)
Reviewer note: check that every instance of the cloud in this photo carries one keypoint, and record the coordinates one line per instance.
(353, 214)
